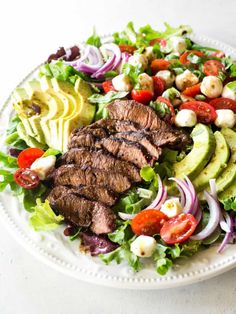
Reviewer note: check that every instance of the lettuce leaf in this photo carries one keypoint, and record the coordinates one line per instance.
(7, 161)
(107, 98)
(44, 218)
(230, 203)
(94, 40)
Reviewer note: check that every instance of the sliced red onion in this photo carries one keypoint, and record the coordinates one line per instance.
(198, 215)
(194, 195)
(162, 201)
(90, 62)
(214, 219)
(125, 56)
(105, 68)
(212, 183)
(189, 200)
(125, 216)
(229, 233)
(114, 49)
(160, 194)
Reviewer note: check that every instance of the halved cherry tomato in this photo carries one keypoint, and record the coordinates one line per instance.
(142, 95)
(178, 229)
(158, 85)
(183, 58)
(159, 64)
(127, 48)
(107, 86)
(205, 112)
(161, 41)
(223, 103)
(28, 156)
(148, 222)
(169, 118)
(192, 91)
(212, 67)
(26, 178)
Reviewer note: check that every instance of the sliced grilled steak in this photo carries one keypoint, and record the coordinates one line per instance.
(86, 137)
(169, 138)
(100, 160)
(114, 126)
(142, 138)
(73, 175)
(82, 212)
(135, 112)
(127, 150)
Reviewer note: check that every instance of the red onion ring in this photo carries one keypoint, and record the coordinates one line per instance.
(125, 216)
(160, 194)
(229, 234)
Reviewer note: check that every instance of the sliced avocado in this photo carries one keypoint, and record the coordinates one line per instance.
(196, 160)
(228, 193)
(30, 141)
(217, 163)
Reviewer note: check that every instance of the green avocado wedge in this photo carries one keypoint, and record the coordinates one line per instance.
(228, 193)
(30, 141)
(216, 165)
(203, 148)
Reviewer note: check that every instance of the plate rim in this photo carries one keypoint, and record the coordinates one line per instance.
(143, 283)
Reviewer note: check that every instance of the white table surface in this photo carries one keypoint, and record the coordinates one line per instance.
(29, 32)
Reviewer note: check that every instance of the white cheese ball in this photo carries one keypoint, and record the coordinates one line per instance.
(167, 76)
(185, 79)
(43, 165)
(122, 83)
(178, 44)
(145, 81)
(211, 86)
(229, 92)
(148, 53)
(139, 59)
(225, 118)
(143, 246)
(186, 118)
(172, 207)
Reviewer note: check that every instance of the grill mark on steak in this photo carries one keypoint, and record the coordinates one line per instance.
(127, 151)
(114, 125)
(100, 160)
(143, 139)
(82, 212)
(73, 175)
(86, 137)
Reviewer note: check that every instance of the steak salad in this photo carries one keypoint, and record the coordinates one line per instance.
(130, 144)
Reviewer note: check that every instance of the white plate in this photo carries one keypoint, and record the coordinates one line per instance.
(58, 252)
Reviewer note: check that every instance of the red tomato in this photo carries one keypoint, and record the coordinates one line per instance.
(223, 103)
(127, 48)
(178, 229)
(159, 64)
(148, 222)
(212, 67)
(26, 178)
(169, 117)
(192, 91)
(205, 112)
(28, 156)
(142, 95)
(107, 86)
(161, 41)
(183, 58)
(159, 85)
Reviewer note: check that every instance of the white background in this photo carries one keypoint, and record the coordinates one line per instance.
(29, 32)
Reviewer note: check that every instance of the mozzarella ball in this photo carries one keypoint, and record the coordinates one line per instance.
(122, 83)
(139, 59)
(185, 118)
(148, 53)
(185, 79)
(211, 86)
(178, 44)
(229, 92)
(225, 118)
(167, 76)
(172, 207)
(43, 165)
(143, 246)
(145, 81)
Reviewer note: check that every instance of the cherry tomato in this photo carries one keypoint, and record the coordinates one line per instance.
(178, 229)
(192, 91)
(171, 116)
(212, 67)
(127, 48)
(148, 222)
(143, 96)
(183, 58)
(223, 103)
(26, 178)
(161, 41)
(28, 156)
(205, 112)
(159, 85)
(159, 64)
(107, 86)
